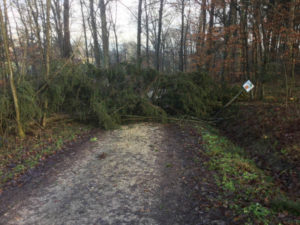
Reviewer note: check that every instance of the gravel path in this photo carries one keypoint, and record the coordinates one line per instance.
(133, 175)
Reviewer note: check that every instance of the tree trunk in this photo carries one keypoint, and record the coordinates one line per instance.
(201, 36)
(209, 59)
(147, 35)
(56, 10)
(158, 41)
(244, 39)
(117, 44)
(94, 34)
(291, 58)
(181, 50)
(139, 33)
(11, 75)
(47, 52)
(67, 44)
(105, 40)
(84, 32)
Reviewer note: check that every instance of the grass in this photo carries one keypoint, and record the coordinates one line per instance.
(252, 194)
(17, 156)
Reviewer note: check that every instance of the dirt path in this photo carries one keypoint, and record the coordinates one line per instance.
(139, 174)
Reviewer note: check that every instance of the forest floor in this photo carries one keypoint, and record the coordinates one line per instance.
(143, 174)
(270, 135)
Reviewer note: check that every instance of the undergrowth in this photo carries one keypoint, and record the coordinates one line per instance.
(253, 194)
(18, 156)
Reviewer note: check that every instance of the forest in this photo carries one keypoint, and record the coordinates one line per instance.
(77, 63)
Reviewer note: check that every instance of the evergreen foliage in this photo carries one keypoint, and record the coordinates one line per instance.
(194, 94)
(104, 97)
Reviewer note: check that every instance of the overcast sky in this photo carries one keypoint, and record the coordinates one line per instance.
(126, 22)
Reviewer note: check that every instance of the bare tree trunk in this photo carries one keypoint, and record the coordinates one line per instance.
(201, 36)
(185, 39)
(233, 34)
(181, 50)
(56, 10)
(94, 34)
(210, 39)
(84, 32)
(47, 51)
(244, 34)
(67, 50)
(11, 75)
(147, 35)
(105, 40)
(139, 33)
(158, 41)
(291, 59)
(117, 43)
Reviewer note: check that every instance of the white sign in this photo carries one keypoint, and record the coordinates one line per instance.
(248, 86)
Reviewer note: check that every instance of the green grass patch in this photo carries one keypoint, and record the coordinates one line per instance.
(249, 190)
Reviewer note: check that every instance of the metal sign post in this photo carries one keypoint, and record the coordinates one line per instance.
(248, 86)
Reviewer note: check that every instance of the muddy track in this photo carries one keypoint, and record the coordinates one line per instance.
(139, 174)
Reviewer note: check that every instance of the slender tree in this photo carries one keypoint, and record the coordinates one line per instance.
(84, 32)
(47, 51)
(139, 33)
(11, 75)
(147, 33)
(94, 34)
(105, 35)
(67, 49)
(182, 35)
(158, 41)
